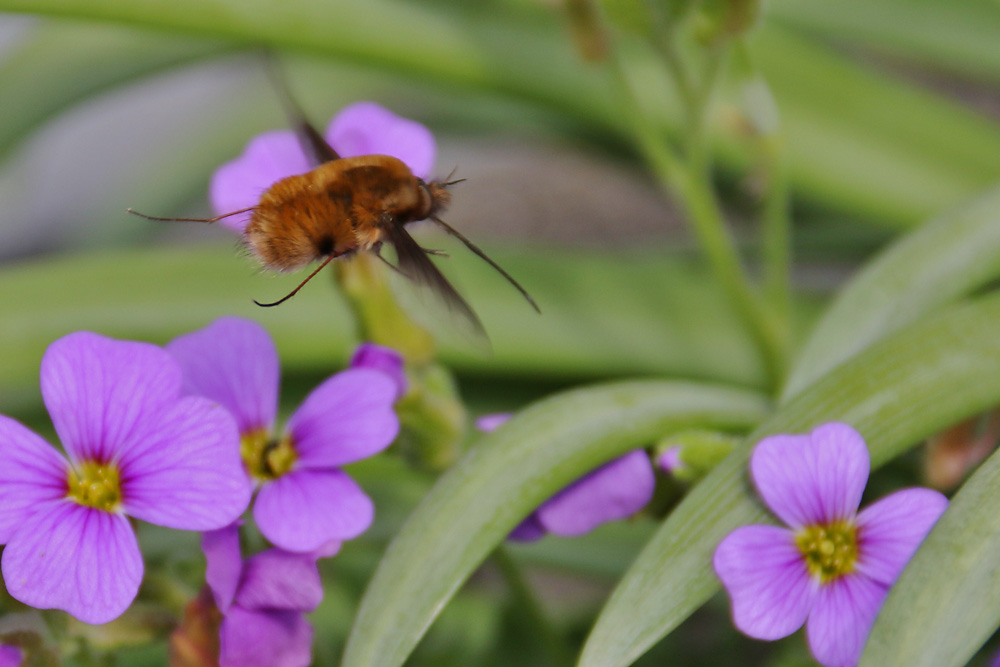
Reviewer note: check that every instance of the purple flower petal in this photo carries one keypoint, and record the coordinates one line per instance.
(529, 530)
(265, 639)
(239, 184)
(670, 459)
(280, 580)
(327, 549)
(347, 418)
(304, 509)
(890, 530)
(812, 479)
(234, 362)
(616, 490)
(224, 564)
(10, 656)
(78, 559)
(841, 619)
(767, 581)
(384, 359)
(488, 423)
(188, 474)
(32, 472)
(366, 128)
(103, 394)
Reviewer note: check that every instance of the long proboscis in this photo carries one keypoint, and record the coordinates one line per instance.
(215, 219)
(474, 248)
(296, 290)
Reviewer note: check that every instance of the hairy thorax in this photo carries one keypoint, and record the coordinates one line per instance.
(337, 208)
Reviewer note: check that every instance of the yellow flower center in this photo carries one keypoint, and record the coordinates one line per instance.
(265, 457)
(95, 484)
(831, 550)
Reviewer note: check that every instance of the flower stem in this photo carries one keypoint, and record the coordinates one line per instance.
(530, 609)
(690, 180)
(776, 229)
(379, 317)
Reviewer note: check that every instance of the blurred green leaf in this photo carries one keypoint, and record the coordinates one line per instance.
(945, 259)
(898, 391)
(862, 141)
(958, 36)
(63, 63)
(602, 314)
(944, 605)
(506, 475)
(859, 141)
(418, 39)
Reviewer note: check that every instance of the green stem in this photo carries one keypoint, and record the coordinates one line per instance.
(776, 227)
(700, 104)
(558, 652)
(776, 224)
(691, 181)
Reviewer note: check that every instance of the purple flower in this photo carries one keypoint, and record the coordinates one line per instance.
(136, 449)
(364, 128)
(262, 600)
(670, 461)
(832, 567)
(10, 656)
(304, 500)
(384, 359)
(616, 490)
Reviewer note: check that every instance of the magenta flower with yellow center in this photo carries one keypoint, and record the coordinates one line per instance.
(832, 567)
(136, 448)
(304, 500)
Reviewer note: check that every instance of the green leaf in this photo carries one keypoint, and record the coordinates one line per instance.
(944, 605)
(63, 63)
(945, 259)
(863, 142)
(897, 392)
(960, 36)
(859, 142)
(157, 294)
(415, 39)
(504, 477)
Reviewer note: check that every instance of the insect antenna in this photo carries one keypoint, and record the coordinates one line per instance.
(296, 290)
(474, 248)
(314, 145)
(215, 219)
(447, 179)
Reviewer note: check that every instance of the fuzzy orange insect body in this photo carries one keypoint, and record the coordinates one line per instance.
(338, 208)
(345, 205)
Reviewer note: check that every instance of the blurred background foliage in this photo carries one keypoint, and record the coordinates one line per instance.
(888, 115)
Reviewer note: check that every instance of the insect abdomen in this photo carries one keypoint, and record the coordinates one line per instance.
(297, 222)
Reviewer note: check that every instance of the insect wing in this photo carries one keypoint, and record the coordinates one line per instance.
(314, 145)
(417, 266)
(317, 150)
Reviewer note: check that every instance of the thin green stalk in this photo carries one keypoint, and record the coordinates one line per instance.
(776, 228)
(666, 44)
(699, 156)
(776, 225)
(695, 189)
(556, 648)
(691, 182)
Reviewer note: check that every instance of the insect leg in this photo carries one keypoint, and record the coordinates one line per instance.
(296, 290)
